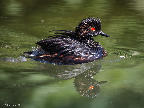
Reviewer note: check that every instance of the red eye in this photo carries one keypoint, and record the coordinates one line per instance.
(93, 29)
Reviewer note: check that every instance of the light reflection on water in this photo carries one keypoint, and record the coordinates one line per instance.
(33, 84)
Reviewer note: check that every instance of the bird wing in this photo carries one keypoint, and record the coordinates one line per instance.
(63, 46)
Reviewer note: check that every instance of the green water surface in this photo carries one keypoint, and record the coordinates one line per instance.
(116, 81)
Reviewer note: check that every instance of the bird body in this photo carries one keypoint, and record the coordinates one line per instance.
(72, 47)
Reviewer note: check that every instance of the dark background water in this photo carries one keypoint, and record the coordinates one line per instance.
(117, 79)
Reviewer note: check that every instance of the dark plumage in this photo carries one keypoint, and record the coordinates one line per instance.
(71, 47)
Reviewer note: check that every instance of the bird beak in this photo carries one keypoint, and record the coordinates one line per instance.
(103, 34)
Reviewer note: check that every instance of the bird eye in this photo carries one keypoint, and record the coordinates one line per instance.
(92, 28)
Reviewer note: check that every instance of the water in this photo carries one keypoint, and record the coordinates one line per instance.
(113, 82)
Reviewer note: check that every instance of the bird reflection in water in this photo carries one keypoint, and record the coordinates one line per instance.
(83, 75)
(86, 85)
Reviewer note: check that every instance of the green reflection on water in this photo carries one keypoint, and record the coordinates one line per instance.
(36, 85)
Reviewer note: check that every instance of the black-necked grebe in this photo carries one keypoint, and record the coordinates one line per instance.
(71, 47)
